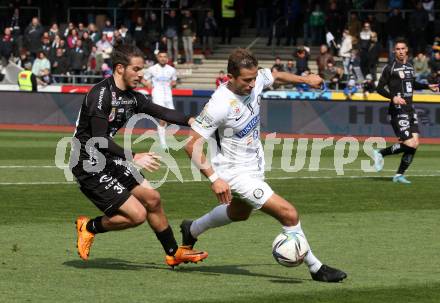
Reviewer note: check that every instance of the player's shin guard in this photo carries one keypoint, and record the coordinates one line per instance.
(215, 218)
(393, 149)
(311, 261)
(407, 158)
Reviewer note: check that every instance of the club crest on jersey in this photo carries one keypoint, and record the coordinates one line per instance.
(112, 115)
(235, 106)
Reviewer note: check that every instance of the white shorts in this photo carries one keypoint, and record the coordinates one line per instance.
(165, 103)
(254, 190)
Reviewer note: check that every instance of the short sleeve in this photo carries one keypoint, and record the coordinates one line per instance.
(98, 102)
(266, 77)
(212, 116)
(148, 74)
(173, 75)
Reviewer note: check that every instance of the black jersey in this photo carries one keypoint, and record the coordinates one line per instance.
(399, 78)
(106, 109)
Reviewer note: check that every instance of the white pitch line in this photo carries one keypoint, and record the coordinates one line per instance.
(189, 181)
(273, 168)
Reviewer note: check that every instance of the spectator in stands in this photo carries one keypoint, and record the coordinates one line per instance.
(124, 35)
(222, 78)
(363, 45)
(78, 60)
(373, 55)
(41, 66)
(355, 65)
(345, 50)
(228, 15)
(434, 63)
(108, 29)
(140, 33)
(23, 59)
(172, 26)
(368, 86)
(87, 42)
(421, 68)
(46, 46)
(95, 35)
(27, 81)
(334, 21)
(290, 67)
(278, 64)
(106, 70)
(261, 16)
(350, 89)
(395, 28)
(81, 29)
(16, 25)
(153, 30)
(104, 48)
(56, 43)
(72, 37)
(208, 32)
(436, 44)
(93, 65)
(332, 75)
(60, 66)
(323, 58)
(6, 46)
(189, 30)
(276, 11)
(32, 36)
(302, 87)
(292, 11)
(302, 60)
(354, 27)
(419, 23)
(68, 29)
(317, 23)
(54, 31)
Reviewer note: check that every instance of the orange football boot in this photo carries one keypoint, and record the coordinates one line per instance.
(185, 254)
(85, 238)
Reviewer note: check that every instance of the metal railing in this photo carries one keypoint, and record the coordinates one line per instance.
(404, 12)
(73, 79)
(114, 11)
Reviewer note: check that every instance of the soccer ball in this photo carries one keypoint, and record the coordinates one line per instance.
(289, 249)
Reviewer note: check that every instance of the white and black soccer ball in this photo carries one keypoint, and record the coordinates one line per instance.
(289, 249)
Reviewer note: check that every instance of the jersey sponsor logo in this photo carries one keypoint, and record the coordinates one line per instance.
(258, 193)
(404, 123)
(101, 97)
(249, 127)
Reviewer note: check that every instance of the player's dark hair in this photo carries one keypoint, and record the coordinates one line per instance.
(123, 53)
(400, 40)
(240, 58)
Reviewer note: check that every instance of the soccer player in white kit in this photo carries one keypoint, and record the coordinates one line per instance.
(232, 117)
(161, 78)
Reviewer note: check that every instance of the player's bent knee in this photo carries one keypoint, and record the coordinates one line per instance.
(153, 201)
(139, 218)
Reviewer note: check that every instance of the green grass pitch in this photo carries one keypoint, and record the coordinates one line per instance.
(385, 236)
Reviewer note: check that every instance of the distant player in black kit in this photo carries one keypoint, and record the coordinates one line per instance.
(100, 171)
(397, 83)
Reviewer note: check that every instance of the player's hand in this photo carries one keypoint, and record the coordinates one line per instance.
(434, 87)
(314, 81)
(399, 100)
(222, 191)
(148, 161)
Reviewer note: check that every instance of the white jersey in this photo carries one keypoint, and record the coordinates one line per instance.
(234, 122)
(161, 78)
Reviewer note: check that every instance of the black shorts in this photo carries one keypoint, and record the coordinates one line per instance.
(404, 123)
(108, 189)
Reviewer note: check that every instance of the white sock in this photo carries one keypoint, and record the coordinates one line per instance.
(215, 218)
(161, 133)
(311, 261)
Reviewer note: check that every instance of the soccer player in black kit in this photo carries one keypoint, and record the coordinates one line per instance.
(101, 173)
(397, 83)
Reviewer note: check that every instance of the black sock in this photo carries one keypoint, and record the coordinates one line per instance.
(407, 158)
(95, 226)
(166, 238)
(393, 149)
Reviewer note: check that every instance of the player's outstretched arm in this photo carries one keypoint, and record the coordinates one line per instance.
(169, 115)
(194, 149)
(312, 80)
